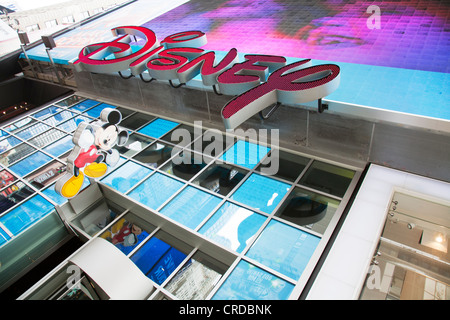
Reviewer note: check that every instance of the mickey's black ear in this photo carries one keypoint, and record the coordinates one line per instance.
(122, 138)
(111, 116)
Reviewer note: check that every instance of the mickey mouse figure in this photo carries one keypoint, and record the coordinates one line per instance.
(93, 151)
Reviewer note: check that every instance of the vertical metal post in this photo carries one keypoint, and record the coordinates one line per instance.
(28, 59)
(53, 64)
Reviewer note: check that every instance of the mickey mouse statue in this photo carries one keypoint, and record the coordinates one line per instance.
(93, 151)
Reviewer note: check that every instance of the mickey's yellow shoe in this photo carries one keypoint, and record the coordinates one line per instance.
(95, 170)
(72, 186)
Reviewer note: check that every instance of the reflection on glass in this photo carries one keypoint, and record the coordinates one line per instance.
(284, 249)
(308, 209)
(26, 214)
(127, 233)
(154, 191)
(328, 178)
(32, 131)
(8, 143)
(135, 143)
(69, 101)
(59, 117)
(155, 154)
(160, 256)
(158, 127)
(19, 125)
(84, 105)
(196, 279)
(245, 154)
(126, 176)
(186, 165)
(59, 147)
(233, 226)
(6, 179)
(14, 194)
(4, 237)
(46, 175)
(248, 282)
(15, 154)
(125, 112)
(190, 207)
(95, 111)
(46, 138)
(289, 165)
(136, 121)
(44, 113)
(220, 178)
(72, 124)
(261, 192)
(183, 136)
(30, 163)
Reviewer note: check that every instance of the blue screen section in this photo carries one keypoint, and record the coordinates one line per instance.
(59, 147)
(84, 105)
(157, 259)
(30, 163)
(95, 112)
(248, 282)
(245, 154)
(154, 191)
(8, 143)
(46, 112)
(32, 131)
(73, 123)
(190, 207)
(158, 128)
(4, 237)
(126, 176)
(284, 249)
(261, 192)
(233, 226)
(28, 213)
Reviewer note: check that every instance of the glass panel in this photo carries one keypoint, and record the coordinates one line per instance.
(59, 117)
(124, 112)
(55, 197)
(95, 111)
(4, 237)
(127, 233)
(328, 178)
(155, 154)
(248, 282)
(44, 113)
(191, 207)
(69, 101)
(84, 105)
(26, 214)
(284, 249)
(46, 138)
(160, 256)
(233, 226)
(157, 128)
(126, 176)
(261, 192)
(196, 279)
(12, 195)
(32, 131)
(46, 175)
(245, 154)
(6, 179)
(183, 135)
(8, 143)
(15, 154)
(308, 209)
(136, 121)
(289, 165)
(59, 147)
(30, 163)
(220, 178)
(72, 124)
(136, 142)
(19, 125)
(154, 191)
(213, 143)
(191, 164)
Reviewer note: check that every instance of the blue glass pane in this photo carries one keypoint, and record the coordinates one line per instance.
(46, 112)
(245, 154)
(126, 176)
(284, 249)
(59, 147)
(59, 117)
(158, 128)
(28, 213)
(4, 237)
(261, 192)
(3, 133)
(248, 282)
(154, 191)
(73, 123)
(8, 143)
(30, 163)
(54, 196)
(233, 226)
(95, 112)
(157, 259)
(191, 206)
(84, 105)
(32, 131)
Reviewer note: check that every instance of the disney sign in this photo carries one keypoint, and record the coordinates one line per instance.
(257, 82)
